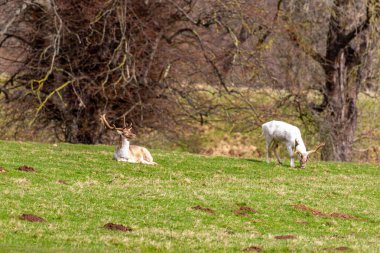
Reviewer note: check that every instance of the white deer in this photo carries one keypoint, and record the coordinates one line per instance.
(124, 151)
(279, 131)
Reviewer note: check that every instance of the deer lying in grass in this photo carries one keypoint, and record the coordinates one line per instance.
(278, 131)
(124, 151)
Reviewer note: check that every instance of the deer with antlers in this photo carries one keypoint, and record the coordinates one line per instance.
(124, 151)
(279, 131)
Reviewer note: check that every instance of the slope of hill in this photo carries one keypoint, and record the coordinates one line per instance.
(77, 198)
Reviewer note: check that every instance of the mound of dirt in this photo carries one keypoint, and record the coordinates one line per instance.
(253, 249)
(230, 232)
(341, 248)
(120, 227)
(2, 170)
(343, 216)
(285, 237)
(244, 211)
(203, 209)
(31, 218)
(316, 212)
(26, 168)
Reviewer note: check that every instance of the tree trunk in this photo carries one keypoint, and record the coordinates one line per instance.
(341, 65)
(340, 118)
(87, 130)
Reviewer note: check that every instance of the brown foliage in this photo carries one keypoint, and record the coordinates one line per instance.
(88, 57)
(129, 60)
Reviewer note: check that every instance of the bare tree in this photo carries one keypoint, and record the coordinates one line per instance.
(80, 59)
(130, 59)
(345, 60)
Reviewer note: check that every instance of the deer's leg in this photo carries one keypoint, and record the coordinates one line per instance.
(291, 154)
(120, 159)
(275, 147)
(146, 162)
(268, 143)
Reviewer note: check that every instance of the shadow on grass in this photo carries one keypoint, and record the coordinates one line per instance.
(254, 160)
(284, 164)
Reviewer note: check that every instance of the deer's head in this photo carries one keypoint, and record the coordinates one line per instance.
(304, 156)
(125, 131)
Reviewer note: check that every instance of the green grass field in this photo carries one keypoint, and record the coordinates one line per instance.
(157, 203)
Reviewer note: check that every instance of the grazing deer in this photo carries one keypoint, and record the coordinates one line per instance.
(278, 131)
(124, 151)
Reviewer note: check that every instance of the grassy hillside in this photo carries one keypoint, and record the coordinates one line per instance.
(188, 203)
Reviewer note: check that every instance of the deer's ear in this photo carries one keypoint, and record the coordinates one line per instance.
(119, 132)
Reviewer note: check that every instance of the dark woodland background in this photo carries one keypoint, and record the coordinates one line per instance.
(185, 71)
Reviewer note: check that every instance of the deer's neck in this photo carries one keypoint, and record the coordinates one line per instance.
(124, 143)
(301, 146)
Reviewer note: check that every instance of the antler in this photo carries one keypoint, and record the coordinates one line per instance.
(125, 124)
(317, 148)
(106, 124)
